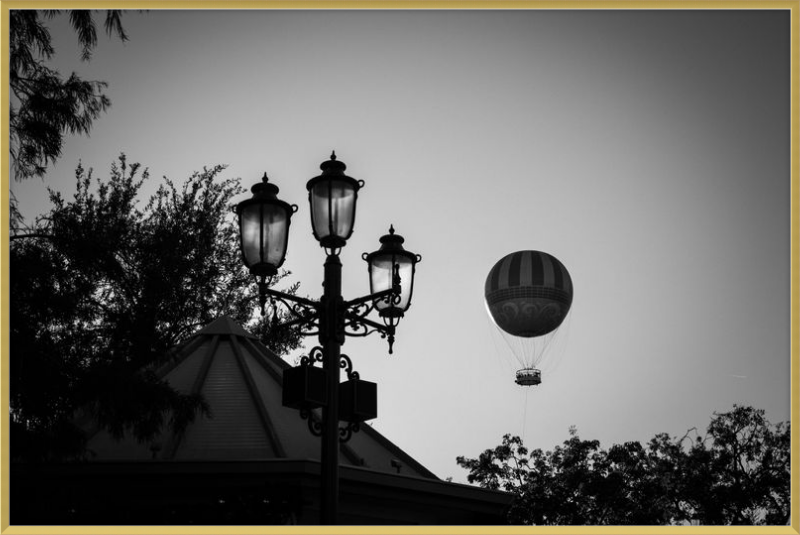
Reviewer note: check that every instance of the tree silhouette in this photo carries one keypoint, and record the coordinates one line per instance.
(102, 290)
(45, 106)
(738, 473)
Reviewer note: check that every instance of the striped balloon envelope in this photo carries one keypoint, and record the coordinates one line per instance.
(528, 294)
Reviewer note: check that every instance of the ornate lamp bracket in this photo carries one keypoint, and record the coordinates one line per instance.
(356, 311)
(306, 312)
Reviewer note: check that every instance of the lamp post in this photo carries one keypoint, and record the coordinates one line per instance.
(264, 231)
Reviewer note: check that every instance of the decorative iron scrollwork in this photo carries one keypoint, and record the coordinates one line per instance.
(356, 325)
(346, 433)
(390, 337)
(315, 355)
(305, 317)
(304, 311)
(353, 327)
(313, 424)
(359, 311)
(395, 296)
(352, 321)
(347, 365)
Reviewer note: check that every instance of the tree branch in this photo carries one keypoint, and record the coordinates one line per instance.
(38, 235)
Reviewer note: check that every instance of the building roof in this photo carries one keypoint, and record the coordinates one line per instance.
(241, 380)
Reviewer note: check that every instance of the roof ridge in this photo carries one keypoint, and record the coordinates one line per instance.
(224, 325)
(262, 408)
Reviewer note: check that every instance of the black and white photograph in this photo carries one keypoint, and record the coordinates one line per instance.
(389, 265)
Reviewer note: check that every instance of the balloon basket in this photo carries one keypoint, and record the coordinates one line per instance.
(528, 377)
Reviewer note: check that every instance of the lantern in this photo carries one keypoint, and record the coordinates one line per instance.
(264, 229)
(384, 265)
(332, 196)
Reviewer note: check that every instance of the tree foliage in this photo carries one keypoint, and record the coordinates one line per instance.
(104, 287)
(44, 105)
(737, 473)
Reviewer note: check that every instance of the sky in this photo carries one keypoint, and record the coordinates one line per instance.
(649, 151)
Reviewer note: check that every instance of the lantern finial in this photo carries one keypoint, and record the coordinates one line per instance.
(391, 229)
(333, 155)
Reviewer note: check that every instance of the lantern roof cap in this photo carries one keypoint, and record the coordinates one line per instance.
(334, 169)
(333, 165)
(392, 243)
(392, 238)
(264, 188)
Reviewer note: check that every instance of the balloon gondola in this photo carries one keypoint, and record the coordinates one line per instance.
(528, 377)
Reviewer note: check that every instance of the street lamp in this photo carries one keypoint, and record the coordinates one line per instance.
(264, 226)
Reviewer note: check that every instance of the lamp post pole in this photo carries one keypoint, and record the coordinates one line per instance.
(331, 341)
(264, 227)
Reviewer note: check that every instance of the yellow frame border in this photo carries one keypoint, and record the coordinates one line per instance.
(792, 5)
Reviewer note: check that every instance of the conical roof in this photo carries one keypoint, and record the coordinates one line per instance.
(241, 380)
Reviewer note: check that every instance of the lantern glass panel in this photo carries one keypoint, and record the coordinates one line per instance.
(333, 204)
(264, 229)
(381, 278)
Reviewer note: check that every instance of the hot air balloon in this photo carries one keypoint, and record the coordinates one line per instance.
(528, 294)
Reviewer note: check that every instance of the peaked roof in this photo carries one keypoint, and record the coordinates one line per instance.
(241, 380)
(226, 326)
